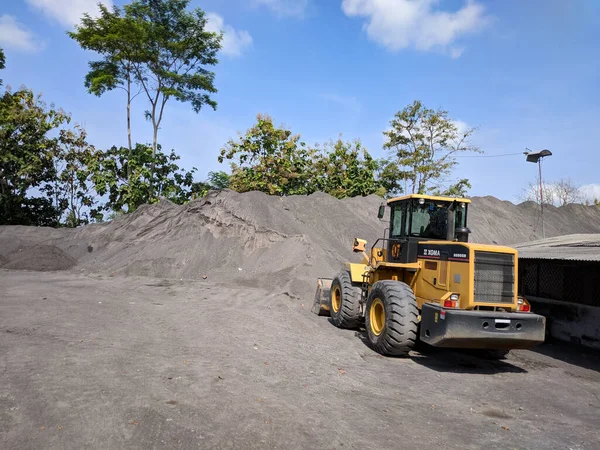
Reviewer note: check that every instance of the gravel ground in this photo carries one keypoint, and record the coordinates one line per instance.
(99, 362)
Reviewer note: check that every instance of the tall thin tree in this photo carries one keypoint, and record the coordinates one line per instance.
(116, 39)
(172, 57)
(157, 45)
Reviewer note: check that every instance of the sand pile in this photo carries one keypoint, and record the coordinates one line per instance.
(253, 239)
(27, 248)
(495, 221)
(41, 258)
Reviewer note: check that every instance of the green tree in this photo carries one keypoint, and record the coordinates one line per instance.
(152, 177)
(425, 143)
(389, 178)
(345, 169)
(73, 191)
(173, 56)
(271, 160)
(2, 62)
(158, 45)
(457, 190)
(27, 155)
(218, 180)
(117, 39)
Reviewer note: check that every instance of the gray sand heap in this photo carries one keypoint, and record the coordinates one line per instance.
(251, 239)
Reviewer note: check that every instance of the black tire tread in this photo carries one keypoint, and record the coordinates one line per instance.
(400, 332)
(348, 316)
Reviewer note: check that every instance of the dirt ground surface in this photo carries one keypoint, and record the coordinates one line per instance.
(101, 362)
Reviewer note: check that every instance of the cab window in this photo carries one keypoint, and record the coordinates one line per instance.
(429, 219)
(397, 219)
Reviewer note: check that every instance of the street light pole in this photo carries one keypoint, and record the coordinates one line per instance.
(536, 157)
(542, 197)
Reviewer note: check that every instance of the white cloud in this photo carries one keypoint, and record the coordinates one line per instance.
(15, 36)
(590, 192)
(68, 12)
(456, 52)
(234, 41)
(400, 24)
(285, 7)
(462, 127)
(349, 103)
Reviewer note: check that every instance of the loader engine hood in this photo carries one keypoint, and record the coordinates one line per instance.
(482, 275)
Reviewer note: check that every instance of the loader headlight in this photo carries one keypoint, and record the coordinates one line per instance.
(454, 297)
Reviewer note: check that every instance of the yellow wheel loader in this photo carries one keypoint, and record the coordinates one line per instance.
(425, 280)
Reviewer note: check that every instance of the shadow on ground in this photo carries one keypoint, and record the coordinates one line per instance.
(570, 353)
(458, 361)
(455, 361)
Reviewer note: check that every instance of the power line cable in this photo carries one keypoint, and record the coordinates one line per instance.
(489, 156)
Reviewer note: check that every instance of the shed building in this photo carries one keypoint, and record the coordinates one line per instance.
(560, 276)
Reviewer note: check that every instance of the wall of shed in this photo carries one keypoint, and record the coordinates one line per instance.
(578, 324)
(567, 293)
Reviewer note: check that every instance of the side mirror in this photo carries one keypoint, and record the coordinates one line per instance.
(358, 245)
(381, 212)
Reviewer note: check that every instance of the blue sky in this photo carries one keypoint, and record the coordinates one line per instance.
(527, 74)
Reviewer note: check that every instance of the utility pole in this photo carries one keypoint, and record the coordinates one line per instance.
(536, 157)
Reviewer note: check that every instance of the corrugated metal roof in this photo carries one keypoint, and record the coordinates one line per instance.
(573, 247)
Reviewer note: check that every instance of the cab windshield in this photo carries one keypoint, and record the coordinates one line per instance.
(430, 218)
(425, 218)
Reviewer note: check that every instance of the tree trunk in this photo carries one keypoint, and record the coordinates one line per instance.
(129, 124)
(152, 164)
(75, 218)
(414, 180)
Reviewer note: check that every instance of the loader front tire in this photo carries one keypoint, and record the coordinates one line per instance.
(391, 318)
(345, 302)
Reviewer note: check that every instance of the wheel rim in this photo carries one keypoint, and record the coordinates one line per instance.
(377, 317)
(336, 299)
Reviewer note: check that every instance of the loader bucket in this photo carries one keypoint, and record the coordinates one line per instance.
(322, 297)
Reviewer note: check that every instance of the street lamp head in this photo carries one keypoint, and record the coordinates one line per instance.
(534, 157)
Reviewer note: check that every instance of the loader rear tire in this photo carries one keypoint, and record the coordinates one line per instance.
(345, 302)
(391, 318)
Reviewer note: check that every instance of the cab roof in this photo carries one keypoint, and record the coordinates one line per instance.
(428, 197)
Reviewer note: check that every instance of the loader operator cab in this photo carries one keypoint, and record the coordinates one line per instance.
(417, 218)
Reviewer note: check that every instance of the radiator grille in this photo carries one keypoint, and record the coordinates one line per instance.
(494, 277)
